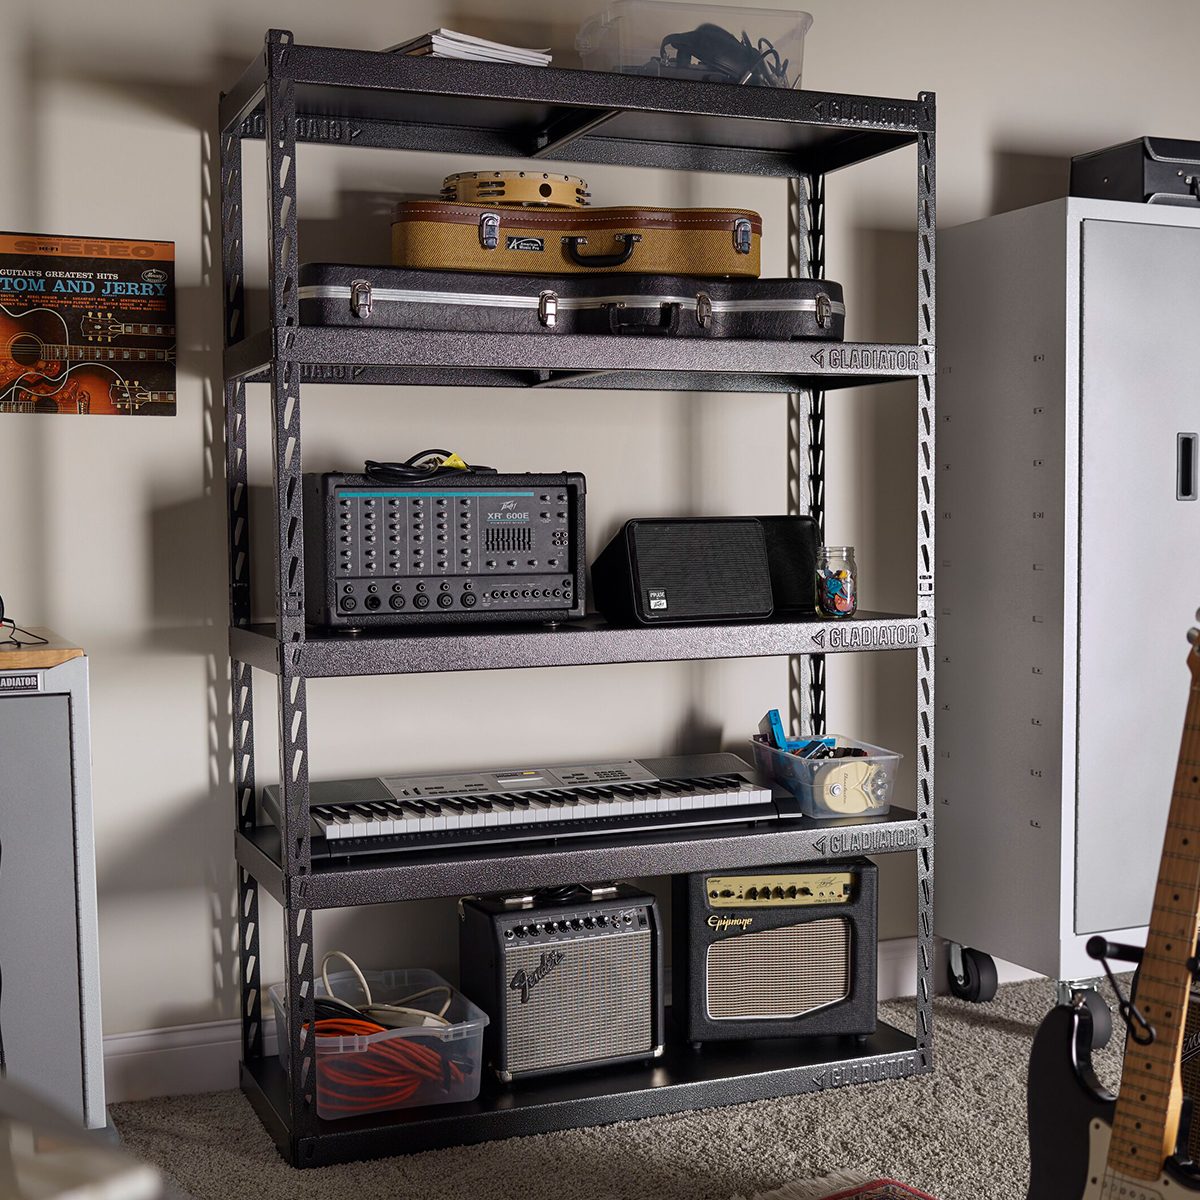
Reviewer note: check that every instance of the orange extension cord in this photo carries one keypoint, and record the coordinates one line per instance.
(386, 1075)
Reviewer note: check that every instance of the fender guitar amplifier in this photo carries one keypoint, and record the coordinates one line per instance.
(570, 979)
(669, 570)
(781, 952)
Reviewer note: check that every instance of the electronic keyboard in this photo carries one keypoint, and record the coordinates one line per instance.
(401, 813)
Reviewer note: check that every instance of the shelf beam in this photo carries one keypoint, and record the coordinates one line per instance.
(579, 643)
(357, 355)
(335, 883)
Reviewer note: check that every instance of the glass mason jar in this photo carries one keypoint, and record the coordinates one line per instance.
(837, 581)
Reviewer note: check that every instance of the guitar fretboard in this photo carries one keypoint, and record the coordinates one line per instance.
(1146, 1125)
(104, 354)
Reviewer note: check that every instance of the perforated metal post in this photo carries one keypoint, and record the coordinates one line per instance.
(241, 675)
(280, 139)
(806, 436)
(926, 465)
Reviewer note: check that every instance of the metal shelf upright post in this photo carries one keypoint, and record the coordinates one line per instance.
(297, 94)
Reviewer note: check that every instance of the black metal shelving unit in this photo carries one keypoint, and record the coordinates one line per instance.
(295, 94)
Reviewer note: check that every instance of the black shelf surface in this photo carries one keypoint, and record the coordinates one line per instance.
(457, 359)
(386, 879)
(368, 98)
(682, 1079)
(589, 641)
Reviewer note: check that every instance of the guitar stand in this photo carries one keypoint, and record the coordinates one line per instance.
(1099, 948)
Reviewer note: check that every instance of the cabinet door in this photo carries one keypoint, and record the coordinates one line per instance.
(39, 940)
(1139, 583)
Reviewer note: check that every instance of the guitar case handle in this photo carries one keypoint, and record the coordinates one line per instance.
(661, 321)
(601, 261)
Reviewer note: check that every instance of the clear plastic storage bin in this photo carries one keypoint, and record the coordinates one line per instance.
(833, 787)
(398, 1068)
(628, 37)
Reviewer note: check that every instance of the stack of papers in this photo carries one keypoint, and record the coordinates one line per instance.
(445, 43)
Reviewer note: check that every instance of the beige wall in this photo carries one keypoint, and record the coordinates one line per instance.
(113, 530)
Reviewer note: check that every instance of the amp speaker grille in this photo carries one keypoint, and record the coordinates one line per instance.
(783, 972)
(597, 1003)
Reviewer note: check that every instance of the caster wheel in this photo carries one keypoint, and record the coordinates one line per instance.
(1102, 1025)
(978, 983)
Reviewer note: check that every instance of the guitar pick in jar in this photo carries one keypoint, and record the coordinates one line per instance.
(837, 581)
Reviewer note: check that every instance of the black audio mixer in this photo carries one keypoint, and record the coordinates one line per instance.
(494, 548)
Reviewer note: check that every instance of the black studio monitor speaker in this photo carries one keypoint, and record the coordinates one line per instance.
(672, 570)
(666, 571)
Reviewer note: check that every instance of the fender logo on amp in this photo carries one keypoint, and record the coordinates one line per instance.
(525, 981)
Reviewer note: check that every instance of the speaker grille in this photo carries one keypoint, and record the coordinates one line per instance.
(702, 569)
(782, 972)
(597, 1003)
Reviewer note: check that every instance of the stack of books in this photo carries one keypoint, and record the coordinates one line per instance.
(445, 43)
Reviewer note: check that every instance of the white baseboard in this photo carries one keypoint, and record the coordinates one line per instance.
(204, 1058)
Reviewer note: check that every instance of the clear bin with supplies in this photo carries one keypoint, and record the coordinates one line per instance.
(396, 1068)
(833, 787)
(710, 42)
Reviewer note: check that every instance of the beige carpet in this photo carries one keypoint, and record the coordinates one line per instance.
(958, 1134)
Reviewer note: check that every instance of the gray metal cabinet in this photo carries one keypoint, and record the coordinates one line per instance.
(50, 1002)
(1068, 531)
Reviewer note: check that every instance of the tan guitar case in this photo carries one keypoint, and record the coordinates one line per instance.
(705, 242)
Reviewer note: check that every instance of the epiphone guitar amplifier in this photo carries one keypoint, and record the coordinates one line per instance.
(491, 548)
(668, 570)
(570, 978)
(783, 952)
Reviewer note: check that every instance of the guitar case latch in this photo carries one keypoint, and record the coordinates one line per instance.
(489, 230)
(361, 298)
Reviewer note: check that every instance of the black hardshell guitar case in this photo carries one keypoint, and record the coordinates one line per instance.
(334, 294)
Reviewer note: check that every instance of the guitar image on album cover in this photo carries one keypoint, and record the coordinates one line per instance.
(87, 326)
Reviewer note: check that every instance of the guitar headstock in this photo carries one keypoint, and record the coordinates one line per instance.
(100, 327)
(1193, 637)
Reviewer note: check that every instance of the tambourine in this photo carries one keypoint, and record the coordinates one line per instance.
(530, 188)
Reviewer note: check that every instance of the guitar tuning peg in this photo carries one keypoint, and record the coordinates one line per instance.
(1193, 635)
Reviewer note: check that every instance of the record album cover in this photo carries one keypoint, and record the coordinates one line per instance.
(87, 325)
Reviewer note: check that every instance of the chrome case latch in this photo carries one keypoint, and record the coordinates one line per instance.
(741, 235)
(548, 309)
(703, 309)
(824, 309)
(361, 298)
(489, 230)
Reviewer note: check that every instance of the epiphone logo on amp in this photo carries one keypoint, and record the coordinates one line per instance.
(722, 923)
(525, 981)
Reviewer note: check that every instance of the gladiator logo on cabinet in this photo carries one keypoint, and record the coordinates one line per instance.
(869, 112)
(872, 1072)
(866, 841)
(867, 358)
(866, 637)
(10, 682)
(308, 129)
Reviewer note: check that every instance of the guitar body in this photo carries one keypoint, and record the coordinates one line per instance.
(96, 390)
(1071, 1119)
(27, 346)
